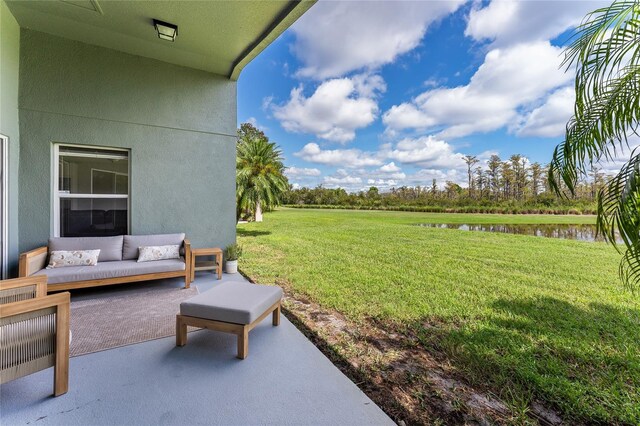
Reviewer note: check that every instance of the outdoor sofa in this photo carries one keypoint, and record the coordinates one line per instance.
(117, 261)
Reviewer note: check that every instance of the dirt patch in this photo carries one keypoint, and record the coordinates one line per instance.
(408, 382)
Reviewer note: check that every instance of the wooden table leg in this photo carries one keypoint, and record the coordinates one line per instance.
(243, 343)
(219, 262)
(181, 332)
(193, 268)
(276, 316)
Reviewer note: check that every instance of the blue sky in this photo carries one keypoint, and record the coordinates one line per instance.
(395, 93)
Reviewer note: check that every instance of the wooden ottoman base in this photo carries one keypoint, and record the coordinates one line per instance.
(240, 330)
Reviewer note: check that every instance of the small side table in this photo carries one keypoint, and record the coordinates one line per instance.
(209, 265)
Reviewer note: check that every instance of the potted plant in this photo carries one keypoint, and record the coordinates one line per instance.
(232, 253)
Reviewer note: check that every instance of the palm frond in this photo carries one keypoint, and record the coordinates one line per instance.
(605, 51)
(619, 205)
(630, 268)
(600, 132)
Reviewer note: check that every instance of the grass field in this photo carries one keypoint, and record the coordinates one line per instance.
(531, 318)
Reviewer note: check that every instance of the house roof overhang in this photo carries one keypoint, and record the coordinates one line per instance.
(220, 37)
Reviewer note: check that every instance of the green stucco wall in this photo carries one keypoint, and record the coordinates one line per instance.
(178, 123)
(9, 125)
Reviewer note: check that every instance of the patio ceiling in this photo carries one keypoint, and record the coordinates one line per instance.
(216, 36)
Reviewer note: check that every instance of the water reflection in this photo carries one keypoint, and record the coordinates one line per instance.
(570, 232)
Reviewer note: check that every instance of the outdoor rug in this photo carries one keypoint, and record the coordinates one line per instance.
(122, 316)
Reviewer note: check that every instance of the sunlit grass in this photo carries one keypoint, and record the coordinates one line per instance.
(534, 317)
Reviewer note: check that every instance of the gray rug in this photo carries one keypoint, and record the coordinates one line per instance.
(112, 318)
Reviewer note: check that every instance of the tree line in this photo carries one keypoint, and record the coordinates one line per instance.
(511, 185)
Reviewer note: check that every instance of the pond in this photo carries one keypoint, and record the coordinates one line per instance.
(570, 232)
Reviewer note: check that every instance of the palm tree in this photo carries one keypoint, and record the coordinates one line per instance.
(260, 179)
(606, 54)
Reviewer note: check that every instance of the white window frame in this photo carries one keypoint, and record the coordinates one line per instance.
(56, 195)
(4, 232)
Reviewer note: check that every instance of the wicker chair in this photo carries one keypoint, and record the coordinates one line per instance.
(34, 331)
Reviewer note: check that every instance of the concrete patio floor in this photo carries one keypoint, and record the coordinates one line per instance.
(285, 380)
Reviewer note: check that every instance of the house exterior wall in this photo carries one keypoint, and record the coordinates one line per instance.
(9, 124)
(178, 123)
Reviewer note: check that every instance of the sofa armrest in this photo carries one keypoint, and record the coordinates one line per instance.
(23, 288)
(60, 300)
(187, 253)
(61, 303)
(32, 261)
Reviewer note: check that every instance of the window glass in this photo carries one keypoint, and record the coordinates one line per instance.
(92, 196)
(93, 172)
(93, 218)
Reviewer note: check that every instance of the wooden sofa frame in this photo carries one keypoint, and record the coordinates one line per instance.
(61, 303)
(35, 260)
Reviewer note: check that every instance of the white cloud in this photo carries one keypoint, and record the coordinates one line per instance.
(425, 151)
(335, 38)
(390, 168)
(621, 157)
(342, 181)
(549, 119)
(254, 122)
(301, 171)
(357, 170)
(267, 102)
(507, 22)
(350, 158)
(335, 110)
(360, 180)
(368, 85)
(425, 177)
(382, 183)
(510, 79)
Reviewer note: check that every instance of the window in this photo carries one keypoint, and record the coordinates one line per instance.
(91, 193)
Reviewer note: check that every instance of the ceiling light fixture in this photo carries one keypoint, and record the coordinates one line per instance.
(166, 31)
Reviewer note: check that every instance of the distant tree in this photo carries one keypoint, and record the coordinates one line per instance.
(606, 55)
(493, 172)
(452, 189)
(260, 179)
(373, 192)
(248, 131)
(471, 161)
(480, 182)
(519, 176)
(507, 179)
(536, 178)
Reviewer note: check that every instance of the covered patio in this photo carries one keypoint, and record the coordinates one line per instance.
(285, 380)
(109, 126)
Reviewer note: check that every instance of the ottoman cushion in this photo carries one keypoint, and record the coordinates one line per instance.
(238, 303)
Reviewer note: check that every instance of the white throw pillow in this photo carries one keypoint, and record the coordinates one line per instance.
(62, 258)
(149, 253)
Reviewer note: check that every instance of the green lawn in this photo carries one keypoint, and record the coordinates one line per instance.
(529, 317)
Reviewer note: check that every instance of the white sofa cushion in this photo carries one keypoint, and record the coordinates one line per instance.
(65, 259)
(153, 253)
